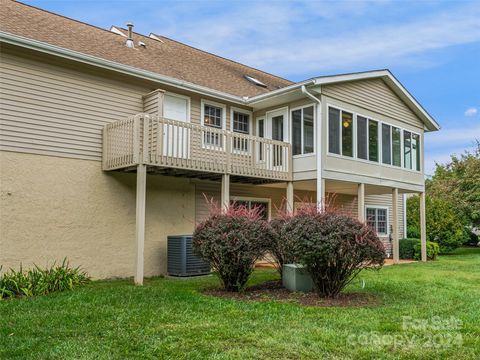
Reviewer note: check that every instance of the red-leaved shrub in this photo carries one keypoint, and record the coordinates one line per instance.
(232, 241)
(334, 247)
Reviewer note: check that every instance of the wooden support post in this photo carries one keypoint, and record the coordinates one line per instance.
(395, 246)
(361, 202)
(225, 198)
(140, 222)
(423, 227)
(290, 197)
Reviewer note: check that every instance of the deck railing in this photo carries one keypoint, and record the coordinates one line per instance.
(153, 140)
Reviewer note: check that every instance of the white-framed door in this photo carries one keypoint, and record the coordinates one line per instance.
(276, 122)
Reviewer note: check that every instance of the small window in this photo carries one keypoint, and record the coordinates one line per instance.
(241, 122)
(302, 131)
(377, 219)
(213, 116)
(261, 134)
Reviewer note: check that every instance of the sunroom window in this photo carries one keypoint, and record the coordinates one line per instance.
(302, 131)
(367, 139)
(340, 132)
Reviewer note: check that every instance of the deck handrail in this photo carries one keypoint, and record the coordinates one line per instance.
(157, 141)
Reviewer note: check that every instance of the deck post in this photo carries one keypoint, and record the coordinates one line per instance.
(395, 246)
(423, 227)
(361, 202)
(140, 222)
(290, 197)
(225, 198)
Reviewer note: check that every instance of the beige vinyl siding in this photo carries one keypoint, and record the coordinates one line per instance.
(373, 95)
(52, 110)
(386, 201)
(211, 189)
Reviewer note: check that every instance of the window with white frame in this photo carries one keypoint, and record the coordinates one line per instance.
(340, 132)
(367, 139)
(377, 219)
(391, 145)
(375, 140)
(263, 205)
(213, 115)
(411, 152)
(240, 124)
(302, 131)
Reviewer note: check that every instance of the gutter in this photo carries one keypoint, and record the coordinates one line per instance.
(111, 65)
(271, 94)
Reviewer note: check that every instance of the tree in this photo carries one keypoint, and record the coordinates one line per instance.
(458, 182)
(444, 225)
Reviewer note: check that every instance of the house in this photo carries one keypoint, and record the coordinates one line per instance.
(110, 140)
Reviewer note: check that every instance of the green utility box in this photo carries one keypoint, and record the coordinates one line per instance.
(296, 278)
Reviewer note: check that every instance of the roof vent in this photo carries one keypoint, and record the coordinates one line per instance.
(142, 44)
(130, 43)
(255, 81)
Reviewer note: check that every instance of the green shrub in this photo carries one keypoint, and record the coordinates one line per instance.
(39, 281)
(443, 224)
(406, 248)
(433, 250)
(282, 245)
(334, 248)
(232, 241)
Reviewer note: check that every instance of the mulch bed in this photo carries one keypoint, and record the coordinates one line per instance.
(274, 291)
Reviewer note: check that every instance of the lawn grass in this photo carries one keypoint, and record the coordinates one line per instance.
(171, 319)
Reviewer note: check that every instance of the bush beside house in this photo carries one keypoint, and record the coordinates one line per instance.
(443, 226)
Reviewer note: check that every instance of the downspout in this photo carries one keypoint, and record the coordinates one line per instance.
(320, 184)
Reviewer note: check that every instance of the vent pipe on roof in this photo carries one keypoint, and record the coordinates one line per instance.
(130, 43)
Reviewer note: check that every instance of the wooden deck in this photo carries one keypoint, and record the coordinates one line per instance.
(183, 149)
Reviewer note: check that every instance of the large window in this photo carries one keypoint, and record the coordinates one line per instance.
(340, 132)
(302, 131)
(367, 139)
(396, 146)
(373, 140)
(411, 150)
(377, 219)
(391, 145)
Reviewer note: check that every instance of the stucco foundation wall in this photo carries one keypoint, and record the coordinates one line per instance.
(52, 207)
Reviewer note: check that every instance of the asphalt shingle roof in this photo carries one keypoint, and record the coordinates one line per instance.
(167, 57)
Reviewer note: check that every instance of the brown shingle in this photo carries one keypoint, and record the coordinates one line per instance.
(168, 57)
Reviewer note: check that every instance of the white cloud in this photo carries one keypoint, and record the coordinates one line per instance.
(471, 112)
(288, 39)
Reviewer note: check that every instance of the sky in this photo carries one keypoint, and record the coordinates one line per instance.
(432, 47)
